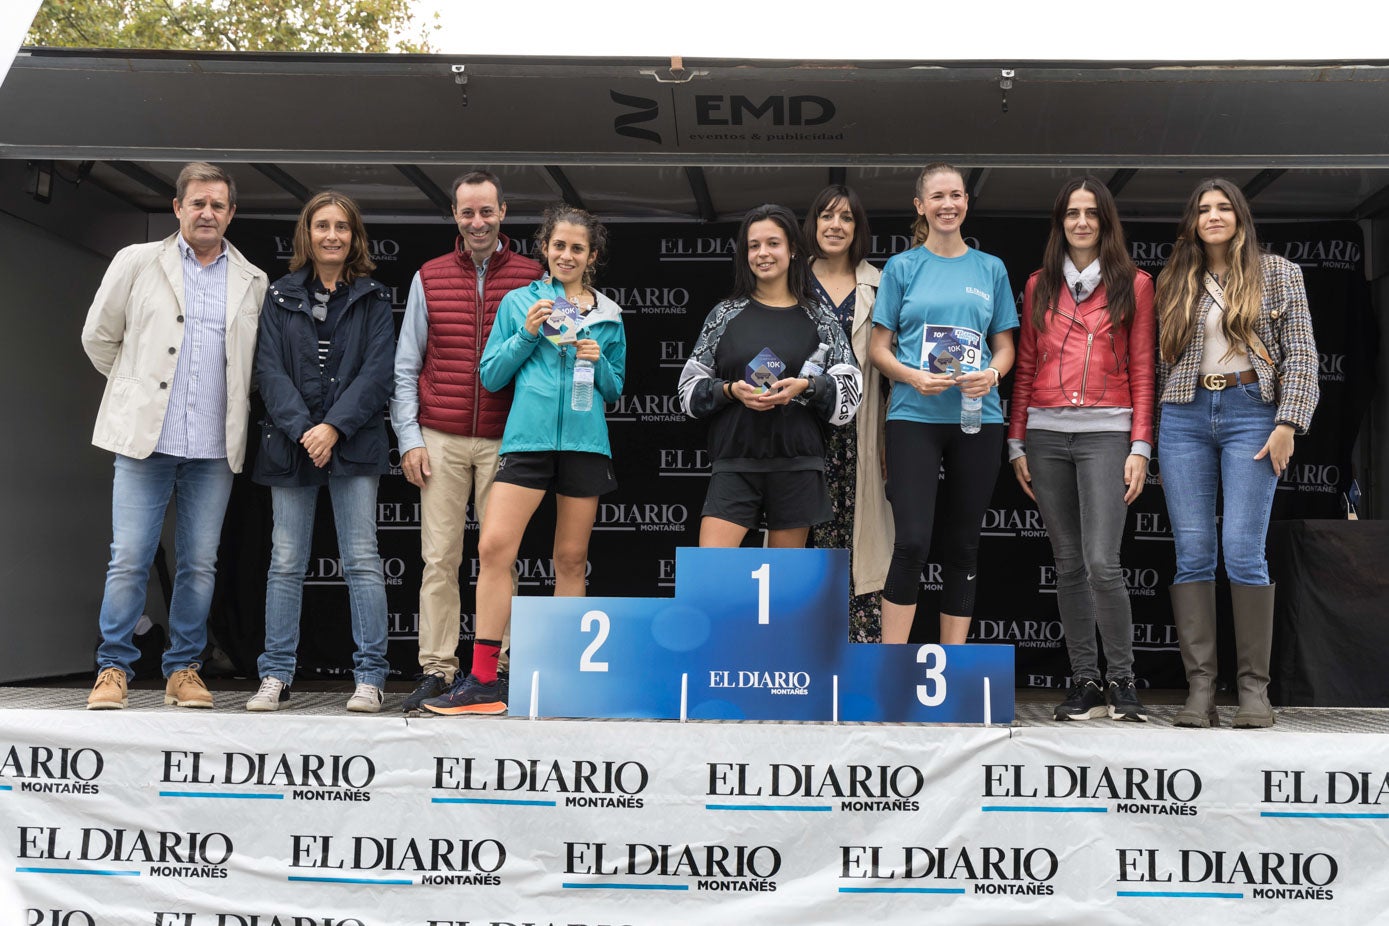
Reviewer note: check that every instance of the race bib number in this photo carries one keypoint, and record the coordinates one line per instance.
(951, 349)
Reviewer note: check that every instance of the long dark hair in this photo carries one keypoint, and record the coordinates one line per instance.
(835, 192)
(1116, 267)
(359, 262)
(797, 277)
(1179, 286)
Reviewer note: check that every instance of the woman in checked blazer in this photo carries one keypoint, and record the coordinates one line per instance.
(1237, 382)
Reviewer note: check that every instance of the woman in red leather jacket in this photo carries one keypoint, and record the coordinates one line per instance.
(1081, 432)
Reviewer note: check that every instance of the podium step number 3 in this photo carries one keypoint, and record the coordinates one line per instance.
(751, 634)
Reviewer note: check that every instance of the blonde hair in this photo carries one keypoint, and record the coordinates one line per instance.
(920, 228)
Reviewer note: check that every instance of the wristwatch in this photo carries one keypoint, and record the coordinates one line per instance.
(809, 392)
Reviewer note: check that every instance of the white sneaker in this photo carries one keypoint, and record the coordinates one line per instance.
(272, 693)
(366, 699)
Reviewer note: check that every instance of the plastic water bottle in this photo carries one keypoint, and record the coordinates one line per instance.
(971, 414)
(581, 396)
(815, 364)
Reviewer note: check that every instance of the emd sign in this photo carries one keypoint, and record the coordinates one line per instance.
(712, 109)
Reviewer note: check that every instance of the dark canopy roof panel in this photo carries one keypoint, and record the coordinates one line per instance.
(638, 139)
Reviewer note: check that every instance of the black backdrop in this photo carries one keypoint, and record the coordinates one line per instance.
(667, 276)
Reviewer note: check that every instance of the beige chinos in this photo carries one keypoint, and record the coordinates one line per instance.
(460, 466)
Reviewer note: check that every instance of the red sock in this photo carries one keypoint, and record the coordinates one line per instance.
(485, 653)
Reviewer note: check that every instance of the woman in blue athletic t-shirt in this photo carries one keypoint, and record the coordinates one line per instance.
(942, 328)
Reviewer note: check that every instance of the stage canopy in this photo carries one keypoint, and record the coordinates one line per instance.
(703, 139)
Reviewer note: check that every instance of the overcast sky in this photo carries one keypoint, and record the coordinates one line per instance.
(987, 30)
(1124, 30)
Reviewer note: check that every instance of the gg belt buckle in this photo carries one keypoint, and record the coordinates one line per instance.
(1215, 382)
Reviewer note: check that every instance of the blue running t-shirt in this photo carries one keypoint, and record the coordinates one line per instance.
(943, 310)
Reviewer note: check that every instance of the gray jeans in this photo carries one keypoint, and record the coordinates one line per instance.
(1079, 482)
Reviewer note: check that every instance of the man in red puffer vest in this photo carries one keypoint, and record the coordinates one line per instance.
(448, 427)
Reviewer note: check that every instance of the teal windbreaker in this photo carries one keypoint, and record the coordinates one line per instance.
(541, 418)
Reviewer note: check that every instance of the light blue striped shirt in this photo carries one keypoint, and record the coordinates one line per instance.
(195, 423)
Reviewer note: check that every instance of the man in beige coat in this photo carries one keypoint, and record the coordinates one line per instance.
(173, 330)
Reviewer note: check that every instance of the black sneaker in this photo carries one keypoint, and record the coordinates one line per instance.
(469, 696)
(1123, 700)
(431, 685)
(1084, 701)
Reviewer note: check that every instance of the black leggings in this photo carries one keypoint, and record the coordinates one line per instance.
(915, 452)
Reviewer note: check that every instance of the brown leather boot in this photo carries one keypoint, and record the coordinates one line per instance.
(1253, 611)
(1193, 610)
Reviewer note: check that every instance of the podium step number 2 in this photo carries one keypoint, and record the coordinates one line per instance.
(751, 634)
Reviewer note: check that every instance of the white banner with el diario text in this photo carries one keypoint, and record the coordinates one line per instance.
(184, 819)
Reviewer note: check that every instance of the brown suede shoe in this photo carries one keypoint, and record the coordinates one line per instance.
(108, 694)
(185, 689)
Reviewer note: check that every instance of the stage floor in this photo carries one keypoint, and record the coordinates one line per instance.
(1033, 707)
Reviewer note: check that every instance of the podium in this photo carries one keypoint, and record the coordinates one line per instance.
(751, 634)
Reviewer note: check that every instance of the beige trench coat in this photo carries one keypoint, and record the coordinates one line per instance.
(873, 528)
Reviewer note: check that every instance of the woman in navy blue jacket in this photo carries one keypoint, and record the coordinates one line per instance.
(324, 367)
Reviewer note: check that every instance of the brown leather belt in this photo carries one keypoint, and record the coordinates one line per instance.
(1218, 381)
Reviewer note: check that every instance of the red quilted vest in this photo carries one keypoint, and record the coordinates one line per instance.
(451, 397)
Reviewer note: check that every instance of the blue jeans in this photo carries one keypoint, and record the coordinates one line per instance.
(140, 494)
(1212, 441)
(1079, 483)
(354, 515)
